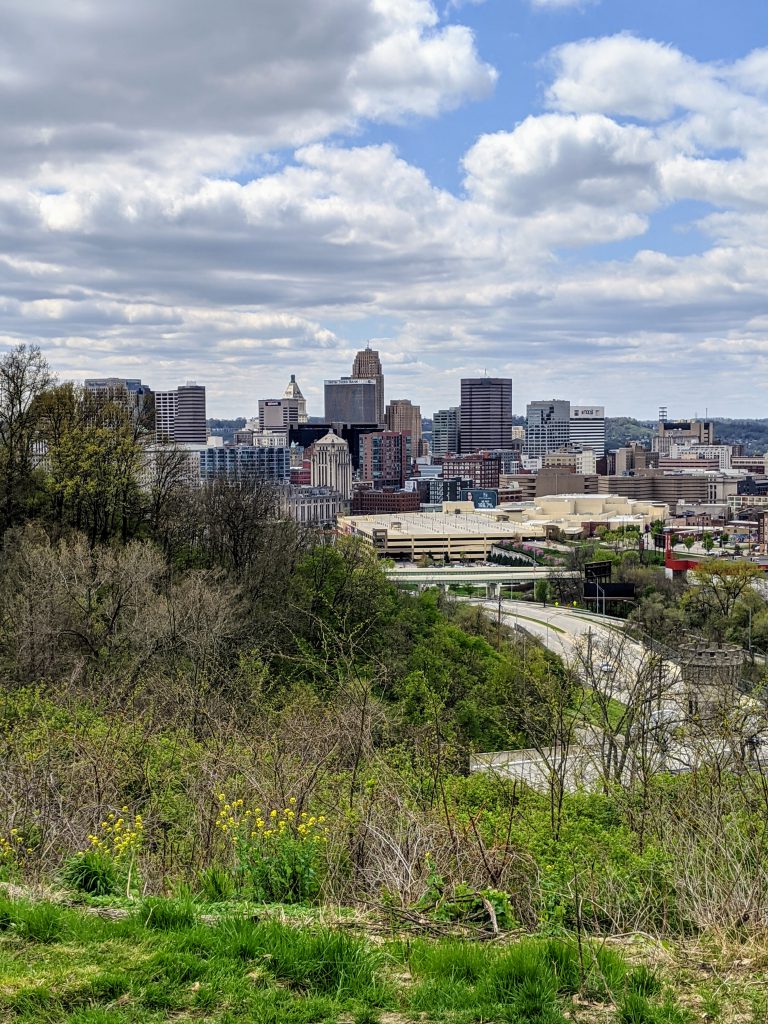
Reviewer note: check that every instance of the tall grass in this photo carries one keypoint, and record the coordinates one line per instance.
(164, 962)
(167, 914)
(39, 922)
(322, 960)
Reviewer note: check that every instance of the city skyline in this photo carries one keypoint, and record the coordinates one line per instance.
(566, 193)
(319, 416)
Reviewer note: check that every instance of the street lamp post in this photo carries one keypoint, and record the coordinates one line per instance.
(599, 592)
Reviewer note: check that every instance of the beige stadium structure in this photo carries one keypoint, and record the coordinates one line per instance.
(461, 532)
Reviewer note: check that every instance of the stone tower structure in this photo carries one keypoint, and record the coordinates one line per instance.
(711, 674)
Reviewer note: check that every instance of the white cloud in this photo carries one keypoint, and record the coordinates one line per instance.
(627, 76)
(751, 73)
(562, 162)
(167, 85)
(146, 227)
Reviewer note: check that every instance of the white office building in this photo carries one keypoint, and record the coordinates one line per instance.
(587, 428)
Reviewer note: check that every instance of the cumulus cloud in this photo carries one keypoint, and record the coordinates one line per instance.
(627, 76)
(216, 83)
(562, 162)
(187, 193)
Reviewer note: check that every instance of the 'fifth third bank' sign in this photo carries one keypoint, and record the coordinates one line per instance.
(481, 497)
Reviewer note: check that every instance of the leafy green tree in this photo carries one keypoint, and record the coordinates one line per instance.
(718, 586)
(658, 617)
(657, 532)
(24, 378)
(93, 465)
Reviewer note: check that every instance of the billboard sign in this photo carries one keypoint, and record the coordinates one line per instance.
(481, 497)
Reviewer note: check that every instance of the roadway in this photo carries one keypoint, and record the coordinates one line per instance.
(603, 654)
(561, 629)
(472, 575)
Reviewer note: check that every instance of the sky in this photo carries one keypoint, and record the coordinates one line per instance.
(572, 194)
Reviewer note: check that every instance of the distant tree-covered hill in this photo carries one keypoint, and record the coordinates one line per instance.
(226, 428)
(753, 434)
(620, 430)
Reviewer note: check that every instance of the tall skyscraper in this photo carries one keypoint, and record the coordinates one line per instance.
(351, 400)
(587, 428)
(331, 464)
(403, 416)
(547, 427)
(445, 431)
(486, 413)
(367, 366)
(180, 414)
(293, 391)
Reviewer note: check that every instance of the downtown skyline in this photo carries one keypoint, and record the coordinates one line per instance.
(568, 194)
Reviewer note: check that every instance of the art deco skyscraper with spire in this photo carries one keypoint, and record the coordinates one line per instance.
(367, 366)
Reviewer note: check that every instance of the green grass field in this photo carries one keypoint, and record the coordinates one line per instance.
(161, 961)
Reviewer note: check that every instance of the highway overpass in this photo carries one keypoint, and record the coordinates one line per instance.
(492, 577)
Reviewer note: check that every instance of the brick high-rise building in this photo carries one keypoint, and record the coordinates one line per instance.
(486, 413)
(367, 366)
(403, 416)
(366, 503)
(482, 468)
(385, 458)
